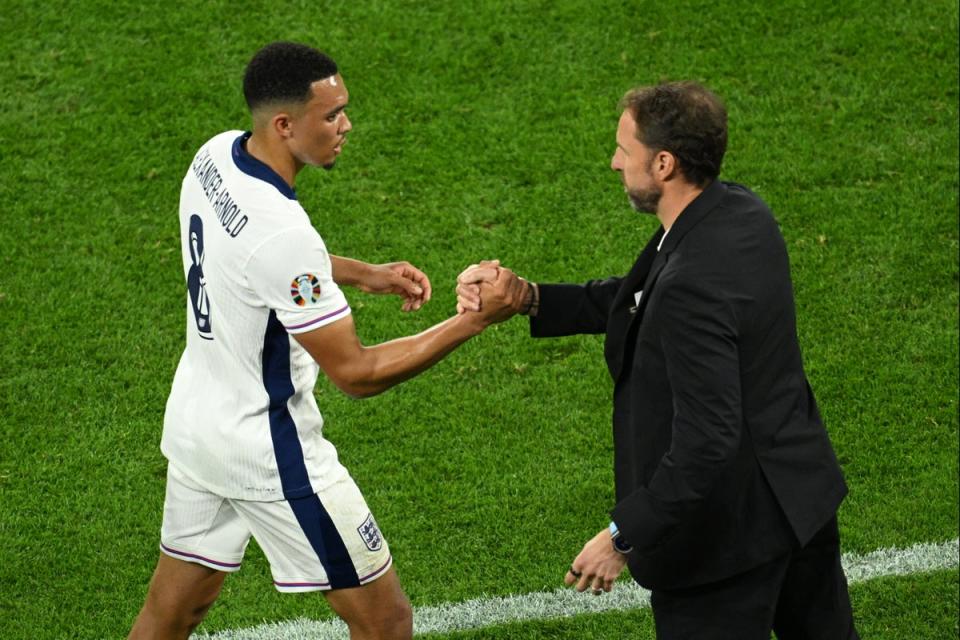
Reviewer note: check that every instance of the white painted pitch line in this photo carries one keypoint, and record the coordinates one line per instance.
(485, 612)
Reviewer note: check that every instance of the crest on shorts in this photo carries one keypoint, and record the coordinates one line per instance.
(305, 289)
(370, 533)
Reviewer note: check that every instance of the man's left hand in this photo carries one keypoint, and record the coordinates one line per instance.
(399, 278)
(597, 566)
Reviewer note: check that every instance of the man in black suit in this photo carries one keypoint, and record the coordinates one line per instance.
(727, 486)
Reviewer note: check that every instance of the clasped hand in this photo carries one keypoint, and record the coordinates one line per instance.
(494, 292)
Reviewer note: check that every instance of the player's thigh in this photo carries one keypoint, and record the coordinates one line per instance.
(378, 606)
(201, 527)
(181, 588)
(201, 540)
(319, 542)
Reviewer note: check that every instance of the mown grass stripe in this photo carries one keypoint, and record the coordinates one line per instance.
(485, 612)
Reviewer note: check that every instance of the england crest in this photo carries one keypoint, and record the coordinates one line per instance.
(370, 533)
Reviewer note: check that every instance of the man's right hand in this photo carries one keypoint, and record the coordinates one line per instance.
(468, 284)
(493, 292)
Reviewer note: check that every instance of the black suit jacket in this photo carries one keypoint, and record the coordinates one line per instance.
(721, 459)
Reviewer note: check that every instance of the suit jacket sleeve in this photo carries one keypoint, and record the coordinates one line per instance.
(699, 341)
(569, 309)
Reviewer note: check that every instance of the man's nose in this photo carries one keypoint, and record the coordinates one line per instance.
(615, 160)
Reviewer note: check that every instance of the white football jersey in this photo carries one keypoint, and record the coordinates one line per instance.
(241, 419)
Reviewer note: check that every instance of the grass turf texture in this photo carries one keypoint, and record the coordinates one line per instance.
(480, 131)
(919, 607)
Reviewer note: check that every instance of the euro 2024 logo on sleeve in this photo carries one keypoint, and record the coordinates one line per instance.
(305, 289)
(370, 533)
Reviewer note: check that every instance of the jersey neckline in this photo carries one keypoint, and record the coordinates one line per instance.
(253, 167)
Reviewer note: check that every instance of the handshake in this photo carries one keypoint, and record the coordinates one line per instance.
(495, 293)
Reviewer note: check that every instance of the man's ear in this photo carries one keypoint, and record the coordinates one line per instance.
(282, 123)
(665, 166)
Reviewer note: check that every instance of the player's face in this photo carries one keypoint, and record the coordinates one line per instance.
(633, 160)
(320, 129)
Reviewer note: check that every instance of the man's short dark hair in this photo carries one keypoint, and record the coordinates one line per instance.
(283, 72)
(686, 119)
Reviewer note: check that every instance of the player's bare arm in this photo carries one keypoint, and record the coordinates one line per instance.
(397, 278)
(363, 371)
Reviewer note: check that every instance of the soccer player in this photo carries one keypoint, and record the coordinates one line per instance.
(242, 430)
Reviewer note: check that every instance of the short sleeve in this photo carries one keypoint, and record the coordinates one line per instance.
(291, 273)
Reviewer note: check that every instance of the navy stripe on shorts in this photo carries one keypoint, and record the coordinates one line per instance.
(312, 516)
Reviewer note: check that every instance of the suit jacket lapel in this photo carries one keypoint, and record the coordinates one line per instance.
(621, 326)
(648, 284)
(622, 311)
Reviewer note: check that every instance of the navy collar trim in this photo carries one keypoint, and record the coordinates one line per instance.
(253, 167)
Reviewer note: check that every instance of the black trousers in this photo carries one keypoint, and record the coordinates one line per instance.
(801, 595)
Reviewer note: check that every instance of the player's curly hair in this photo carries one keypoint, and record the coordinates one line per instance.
(686, 119)
(283, 72)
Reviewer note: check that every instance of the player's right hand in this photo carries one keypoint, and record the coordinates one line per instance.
(468, 284)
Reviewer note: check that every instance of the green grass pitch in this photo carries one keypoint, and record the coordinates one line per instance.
(482, 130)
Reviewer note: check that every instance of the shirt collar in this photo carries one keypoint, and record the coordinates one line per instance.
(662, 238)
(253, 167)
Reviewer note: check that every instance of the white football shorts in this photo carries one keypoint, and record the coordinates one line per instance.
(324, 541)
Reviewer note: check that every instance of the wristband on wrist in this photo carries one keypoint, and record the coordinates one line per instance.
(619, 544)
(533, 303)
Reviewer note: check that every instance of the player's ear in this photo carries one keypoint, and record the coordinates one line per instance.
(282, 124)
